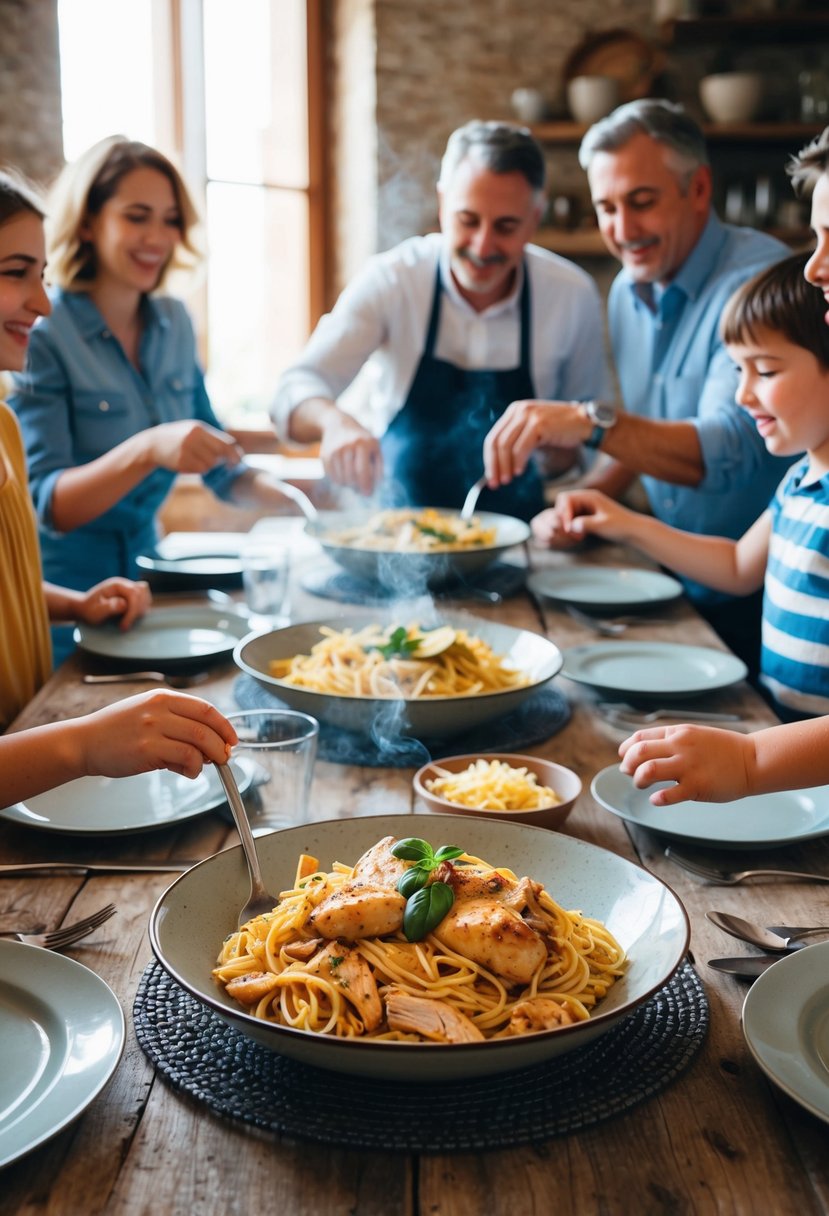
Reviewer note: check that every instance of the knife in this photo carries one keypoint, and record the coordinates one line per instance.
(103, 867)
(748, 966)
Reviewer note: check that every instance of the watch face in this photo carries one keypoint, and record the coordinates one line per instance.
(603, 413)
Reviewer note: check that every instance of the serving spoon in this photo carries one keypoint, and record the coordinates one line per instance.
(259, 901)
(776, 938)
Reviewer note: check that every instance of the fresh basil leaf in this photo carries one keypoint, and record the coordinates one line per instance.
(426, 909)
(446, 537)
(412, 848)
(399, 645)
(448, 852)
(413, 880)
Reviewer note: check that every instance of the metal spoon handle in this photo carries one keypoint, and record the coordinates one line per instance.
(299, 497)
(240, 816)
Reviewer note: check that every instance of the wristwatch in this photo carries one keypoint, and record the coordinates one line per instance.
(603, 415)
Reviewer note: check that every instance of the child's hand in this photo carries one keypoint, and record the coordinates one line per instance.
(547, 531)
(708, 764)
(114, 597)
(158, 729)
(582, 512)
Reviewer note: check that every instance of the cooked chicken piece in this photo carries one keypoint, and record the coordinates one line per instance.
(433, 1019)
(469, 882)
(524, 899)
(352, 975)
(302, 951)
(494, 936)
(357, 910)
(378, 867)
(249, 989)
(537, 1013)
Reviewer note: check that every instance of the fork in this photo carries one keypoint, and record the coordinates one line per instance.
(156, 677)
(67, 935)
(729, 878)
(471, 500)
(618, 709)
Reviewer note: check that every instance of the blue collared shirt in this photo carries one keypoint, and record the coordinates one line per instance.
(79, 397)
(672, 364)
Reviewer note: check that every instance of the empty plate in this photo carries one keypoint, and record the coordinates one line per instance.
(183, 633)
(607, 588)
(652, 669)
(196, 572)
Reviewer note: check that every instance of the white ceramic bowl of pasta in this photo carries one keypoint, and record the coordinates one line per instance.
(195, 914)
(413, 573)
(431, 718)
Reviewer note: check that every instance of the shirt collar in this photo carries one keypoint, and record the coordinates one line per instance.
(89, 320)
(509, 303)
(694, 272)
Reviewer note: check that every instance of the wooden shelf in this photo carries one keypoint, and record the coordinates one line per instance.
(564, 132)
(763, 28)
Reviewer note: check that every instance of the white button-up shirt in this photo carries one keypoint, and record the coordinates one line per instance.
(378, 327)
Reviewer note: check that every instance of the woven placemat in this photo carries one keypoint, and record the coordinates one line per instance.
(533, 721)
(331, 583)
(238, 1079)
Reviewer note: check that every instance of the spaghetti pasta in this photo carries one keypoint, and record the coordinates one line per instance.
(424, 530)
(452, 986)
(407, 662)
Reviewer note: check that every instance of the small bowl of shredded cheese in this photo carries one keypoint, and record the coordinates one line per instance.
(523, 789)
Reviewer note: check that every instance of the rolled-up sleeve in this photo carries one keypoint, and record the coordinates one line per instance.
(338, 348)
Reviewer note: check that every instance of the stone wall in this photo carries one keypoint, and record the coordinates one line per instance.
(30, 110)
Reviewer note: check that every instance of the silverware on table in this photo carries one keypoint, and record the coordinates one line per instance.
(67, 935)
(746, 966)
(155, 677)
(776, 938)
(646, 717)
(10, 869)
(729, 878)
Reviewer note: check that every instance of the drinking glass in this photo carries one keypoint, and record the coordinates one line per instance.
(281, 748)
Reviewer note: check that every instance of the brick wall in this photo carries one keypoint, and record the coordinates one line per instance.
(30, 111)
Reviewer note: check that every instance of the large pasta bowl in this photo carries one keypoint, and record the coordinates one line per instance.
(196, 913)
(412, 573)
(431, 718)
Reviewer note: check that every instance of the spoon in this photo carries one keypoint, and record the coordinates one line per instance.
(259, 901)
(471, 500)
(299, 497)
(777, 938)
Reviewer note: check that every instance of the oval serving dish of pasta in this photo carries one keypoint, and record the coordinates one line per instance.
(421, 530)
(399, 661)
(416, 945)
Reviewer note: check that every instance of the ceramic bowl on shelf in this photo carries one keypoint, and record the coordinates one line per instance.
(732, 96)
(562, 781)
(592, 97)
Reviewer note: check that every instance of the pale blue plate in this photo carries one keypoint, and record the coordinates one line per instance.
(609, 588)
(786, 1026)
(760, 821)
(183, 633)
(62, 1033)
(652, 669)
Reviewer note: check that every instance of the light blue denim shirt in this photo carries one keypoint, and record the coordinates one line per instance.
(672, 364)
(79, 397)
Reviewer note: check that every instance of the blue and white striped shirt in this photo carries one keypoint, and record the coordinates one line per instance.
(795, 656)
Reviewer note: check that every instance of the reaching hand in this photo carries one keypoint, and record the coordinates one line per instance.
(580, 513)
(707, 764)
(351, 454)
(525, 426)
(190, 447)
(547, 531)
(114, 597)
(158, 729)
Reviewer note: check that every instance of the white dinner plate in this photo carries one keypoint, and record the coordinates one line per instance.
(759, 821)
(609, 588)
(786, 1026)
(652, 669)
(198, 570)
(61, 1036)
(180, 633)
(109, 805)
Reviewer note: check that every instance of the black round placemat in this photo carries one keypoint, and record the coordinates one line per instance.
(237, 1078)
(533, 721)
(330, 583)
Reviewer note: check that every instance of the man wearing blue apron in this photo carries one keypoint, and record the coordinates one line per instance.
(456, 325)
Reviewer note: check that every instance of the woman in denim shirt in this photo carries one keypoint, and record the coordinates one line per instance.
(112, 402)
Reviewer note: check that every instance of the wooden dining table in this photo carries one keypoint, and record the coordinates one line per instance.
(720, 1138)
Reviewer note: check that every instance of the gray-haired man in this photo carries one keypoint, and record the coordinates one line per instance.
(458, 324)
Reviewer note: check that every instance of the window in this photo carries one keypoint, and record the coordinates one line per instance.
(231, 92)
